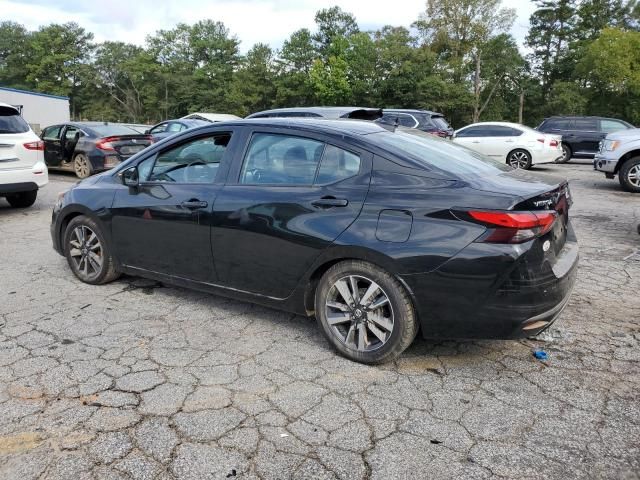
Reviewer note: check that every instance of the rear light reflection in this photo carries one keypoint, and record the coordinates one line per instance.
(38, 145)
(513, 227)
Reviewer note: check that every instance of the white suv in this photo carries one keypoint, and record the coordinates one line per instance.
(22, 167)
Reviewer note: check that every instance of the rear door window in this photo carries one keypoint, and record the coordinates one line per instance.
(337, 164)
(499, 131)
(274, 159)
(586, 125)
(11, 122)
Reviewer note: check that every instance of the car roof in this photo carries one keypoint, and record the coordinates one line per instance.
(6, 105)
(211, 117)
(409, 110)
(320, 125)
(326, 112)
(498, 124)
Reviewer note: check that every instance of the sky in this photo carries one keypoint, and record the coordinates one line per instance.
(252, 21)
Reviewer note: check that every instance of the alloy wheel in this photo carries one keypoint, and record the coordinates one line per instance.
(81, 166)
(633, 176)
(518, 159)
(359, 313)
(86, 252)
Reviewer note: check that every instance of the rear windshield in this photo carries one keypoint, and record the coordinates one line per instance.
(12, 123)
(440, 122)
(108, 130)
(435, 153)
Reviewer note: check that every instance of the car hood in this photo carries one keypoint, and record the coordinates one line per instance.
(626, 135)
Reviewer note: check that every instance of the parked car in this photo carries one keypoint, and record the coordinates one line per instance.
(211, 117)
(518, 145)
(171, 127)
(138, 127)
(22, 167)
(425, 120)
(581, 136)
(90, 147)
(358, 113)
(619, 154)
(377, 231)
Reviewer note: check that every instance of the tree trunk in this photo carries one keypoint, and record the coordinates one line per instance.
(521, 107)
(476, 90)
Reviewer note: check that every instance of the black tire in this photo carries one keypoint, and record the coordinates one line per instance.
(566, 154)
(519, 158)
(74, 248)
(629, 175)
(404, 325)
(82, 166)
(22, 199)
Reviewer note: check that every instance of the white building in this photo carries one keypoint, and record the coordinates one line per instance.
(39, 109)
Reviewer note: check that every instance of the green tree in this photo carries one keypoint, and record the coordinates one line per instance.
(294, 63)
(58, 60)
(253, 88)
(333, 24)
(14, 51)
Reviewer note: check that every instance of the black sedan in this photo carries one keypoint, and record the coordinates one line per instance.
(90, 147)
(378, 232)
(171, 127)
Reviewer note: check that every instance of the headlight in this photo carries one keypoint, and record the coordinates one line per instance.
(610, 145)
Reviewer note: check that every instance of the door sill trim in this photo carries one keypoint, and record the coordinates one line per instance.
(208, 284)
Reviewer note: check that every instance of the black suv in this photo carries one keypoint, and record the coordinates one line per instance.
(425, 120)
(581, 136)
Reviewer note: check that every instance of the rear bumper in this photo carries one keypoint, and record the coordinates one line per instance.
(545, 156)
(23, 179)
(495, 291)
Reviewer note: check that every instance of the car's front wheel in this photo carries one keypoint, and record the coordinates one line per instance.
(87, 251)
(364, 312)
(519, 159)
(22, 199)
(629, 175)
(81, 165)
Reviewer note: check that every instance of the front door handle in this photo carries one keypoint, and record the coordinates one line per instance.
(329, 202)
(194, 203)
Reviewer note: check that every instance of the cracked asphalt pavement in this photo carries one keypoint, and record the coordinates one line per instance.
(136, 380)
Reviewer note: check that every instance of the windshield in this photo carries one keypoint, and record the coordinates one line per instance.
(440, 122)
(109, 130)
(12, 123)
(435, 153)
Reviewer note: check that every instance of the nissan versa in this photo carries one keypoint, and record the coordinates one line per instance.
(377, 231)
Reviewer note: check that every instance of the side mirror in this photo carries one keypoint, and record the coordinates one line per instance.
(130, 177)
(147, 131)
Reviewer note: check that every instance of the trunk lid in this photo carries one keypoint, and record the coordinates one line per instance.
(126, 145)
(14, 154)
(531, 192)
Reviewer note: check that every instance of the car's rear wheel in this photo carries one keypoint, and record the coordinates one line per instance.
(81, 165)
(629, 175)
(566, 154)
(519, 159)
(364, 312)
(22, 199)
(87, 252)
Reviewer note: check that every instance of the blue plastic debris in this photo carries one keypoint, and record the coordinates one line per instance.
(540, 354)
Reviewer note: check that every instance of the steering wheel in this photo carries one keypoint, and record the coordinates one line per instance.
(194, 175)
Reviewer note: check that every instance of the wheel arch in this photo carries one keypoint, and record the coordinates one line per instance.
(69, 213)
(341, 254)
(624, 158)
(518, 149)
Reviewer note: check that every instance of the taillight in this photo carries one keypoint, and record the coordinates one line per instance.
(553, 143)
(37, 145)
(541, 140)
(105, 144)
(513, 227)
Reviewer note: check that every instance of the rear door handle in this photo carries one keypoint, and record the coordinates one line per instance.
(330, 202)
(193, 204)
